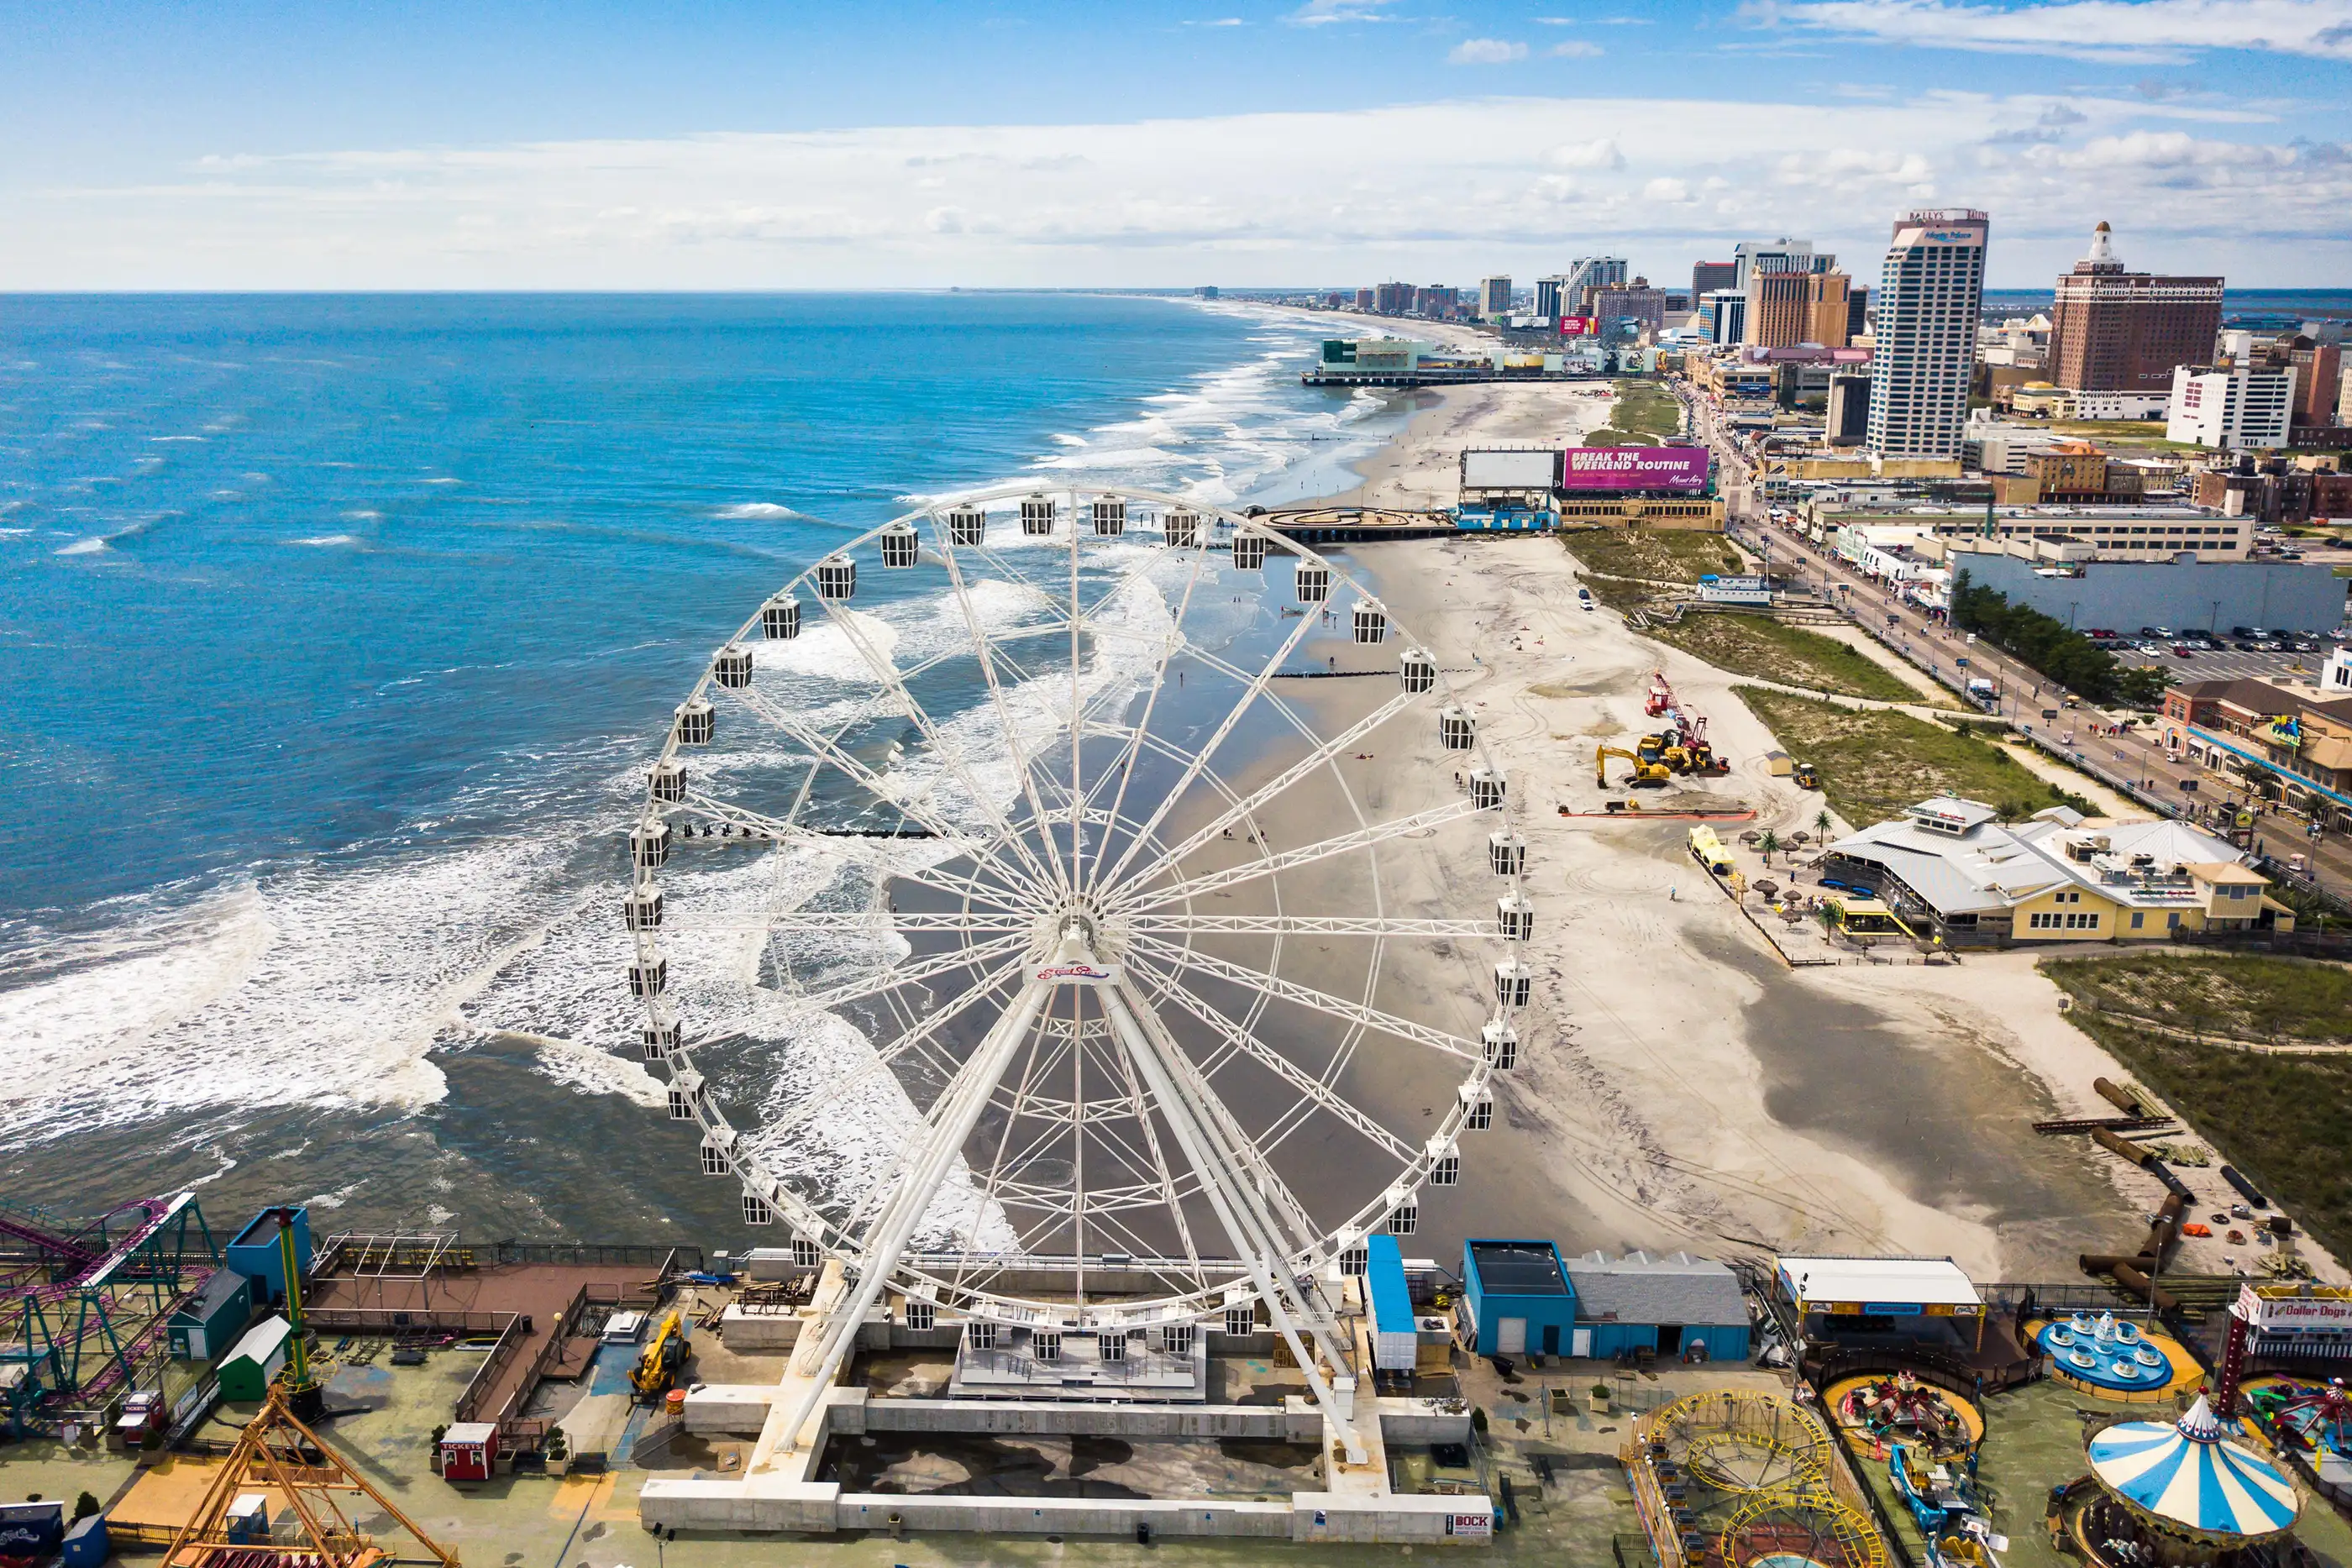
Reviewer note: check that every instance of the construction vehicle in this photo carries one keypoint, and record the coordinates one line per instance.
(1645, 771)
(1806, 778)
(664, 1354)
(1683, 746)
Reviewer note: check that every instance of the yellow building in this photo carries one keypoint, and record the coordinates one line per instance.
(1951, 865)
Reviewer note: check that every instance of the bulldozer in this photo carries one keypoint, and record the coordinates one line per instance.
(1678, 753)
(1806, 778)
(1646, 771)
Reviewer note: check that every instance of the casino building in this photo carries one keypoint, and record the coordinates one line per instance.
(1654, 486)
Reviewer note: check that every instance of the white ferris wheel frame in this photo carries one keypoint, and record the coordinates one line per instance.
(1282, 1258)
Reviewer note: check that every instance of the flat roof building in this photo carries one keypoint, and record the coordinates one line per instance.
(2231, 408)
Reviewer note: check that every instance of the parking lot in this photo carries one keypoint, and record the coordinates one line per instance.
(2229, 660)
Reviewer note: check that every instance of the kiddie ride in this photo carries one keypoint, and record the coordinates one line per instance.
(1950, 1510)
(2319, 1417)
(1901, 1409)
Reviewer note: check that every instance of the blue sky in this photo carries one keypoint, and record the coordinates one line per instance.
(1316, 141)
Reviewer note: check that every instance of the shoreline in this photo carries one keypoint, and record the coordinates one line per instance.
(1714, 1104)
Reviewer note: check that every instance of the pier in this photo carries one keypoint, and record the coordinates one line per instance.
(1357, 524)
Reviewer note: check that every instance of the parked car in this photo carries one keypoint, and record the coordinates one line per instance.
(2183, 651)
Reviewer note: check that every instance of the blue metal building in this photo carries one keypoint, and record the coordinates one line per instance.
(255, 1254)
(1671, 1305)
(1517, 1298)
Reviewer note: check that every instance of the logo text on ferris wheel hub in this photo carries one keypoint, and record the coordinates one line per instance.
(1077, 973)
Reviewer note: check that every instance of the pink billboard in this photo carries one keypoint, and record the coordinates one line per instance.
(1634, 468)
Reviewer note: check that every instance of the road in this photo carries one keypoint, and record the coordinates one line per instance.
(2133, 754)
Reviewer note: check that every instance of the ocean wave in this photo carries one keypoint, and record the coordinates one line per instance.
(362, 515)
(328, 540)
(85, 547)
(746, 511)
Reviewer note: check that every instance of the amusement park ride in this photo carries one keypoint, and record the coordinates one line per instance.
(1729, 1479)
(82, 1308)
(1056, 951)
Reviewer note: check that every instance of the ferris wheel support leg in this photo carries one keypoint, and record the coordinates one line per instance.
(1253, 1241)
(821, 1354)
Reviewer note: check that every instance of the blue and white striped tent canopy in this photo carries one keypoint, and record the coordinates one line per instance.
(2188, 1476)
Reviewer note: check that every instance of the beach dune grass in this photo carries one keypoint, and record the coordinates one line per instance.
(1750, 644)
(1876, 763)
(1662, 555)
(2240, 995)
(2284, 1121)
(1643, 408)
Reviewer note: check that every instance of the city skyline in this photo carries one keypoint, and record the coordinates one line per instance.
(1026, 145)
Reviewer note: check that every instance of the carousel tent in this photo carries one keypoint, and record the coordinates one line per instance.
(2188, 1477)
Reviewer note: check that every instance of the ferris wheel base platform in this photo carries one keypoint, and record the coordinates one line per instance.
(778, 1493)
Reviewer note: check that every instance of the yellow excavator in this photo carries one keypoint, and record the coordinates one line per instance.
(1645, 771)
(664, 1354)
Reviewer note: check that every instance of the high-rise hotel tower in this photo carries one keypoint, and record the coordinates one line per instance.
(1924, 352)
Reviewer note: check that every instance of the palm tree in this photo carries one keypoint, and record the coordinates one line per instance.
(1822, 821)
(1768, 843)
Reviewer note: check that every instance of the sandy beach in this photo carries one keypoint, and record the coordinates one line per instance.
(1681, 1086)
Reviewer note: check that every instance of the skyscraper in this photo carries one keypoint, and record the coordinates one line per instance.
(1930, 292)
(1550, 293)
(1587, 273)
(1494, 298)
(2112, 330)
(1706, 276)
(1785, 309)
(1751, 257)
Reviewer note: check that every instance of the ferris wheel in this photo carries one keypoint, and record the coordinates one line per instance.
(1022, 930)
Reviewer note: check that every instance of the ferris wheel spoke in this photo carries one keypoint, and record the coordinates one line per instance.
(1200, 760)
(900, 975)
(946, 750)
(839, 921)
(1169, 1197)
(1308, 925)
(1287, 1219)
(1298, 1314)
(820, 1354)
(866, 778)
(1315, 1089)
(1173, 641)
(1010, 731)
(1306, 854)
(1317, 757)
(1309, 997)
(916, 1036)
(860, 850)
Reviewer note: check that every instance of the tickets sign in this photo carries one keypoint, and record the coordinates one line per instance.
(1634, 468)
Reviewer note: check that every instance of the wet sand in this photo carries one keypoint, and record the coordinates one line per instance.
(1682, 1088)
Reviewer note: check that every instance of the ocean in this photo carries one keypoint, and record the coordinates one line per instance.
(337, 631)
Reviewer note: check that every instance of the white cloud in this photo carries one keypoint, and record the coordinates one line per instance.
(1322, 13)
(1486, 52)
(1602, 153)
(2160, 32)
(1442, 190)
(1573, 49)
